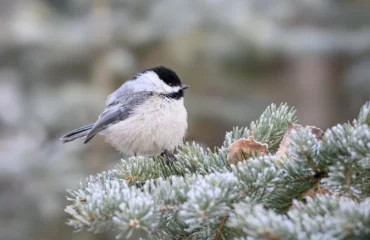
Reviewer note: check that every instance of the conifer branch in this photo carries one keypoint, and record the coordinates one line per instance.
(202, 196)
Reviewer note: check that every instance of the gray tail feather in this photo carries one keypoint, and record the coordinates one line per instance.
(77, 133)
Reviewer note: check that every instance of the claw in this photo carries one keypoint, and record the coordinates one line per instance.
(170, 158)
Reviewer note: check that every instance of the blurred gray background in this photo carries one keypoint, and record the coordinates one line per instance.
(59, 59)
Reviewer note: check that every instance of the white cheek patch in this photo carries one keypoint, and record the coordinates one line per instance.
(149, 81)
(175, 89)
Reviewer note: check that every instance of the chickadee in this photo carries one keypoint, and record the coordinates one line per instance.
(146, 116)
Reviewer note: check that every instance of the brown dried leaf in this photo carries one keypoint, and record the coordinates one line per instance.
(313, 192)
(130, 178)
(284, 145)
(243, 148)
(316, 131)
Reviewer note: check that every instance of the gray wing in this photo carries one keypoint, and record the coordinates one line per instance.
(117, 109)
(122, 92)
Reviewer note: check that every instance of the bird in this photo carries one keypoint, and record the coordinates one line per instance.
(145, 116)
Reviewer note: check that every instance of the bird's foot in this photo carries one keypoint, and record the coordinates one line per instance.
(170, 157)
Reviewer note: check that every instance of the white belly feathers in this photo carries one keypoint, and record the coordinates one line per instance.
(154, 127)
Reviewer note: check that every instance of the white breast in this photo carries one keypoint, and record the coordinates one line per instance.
(154, 126)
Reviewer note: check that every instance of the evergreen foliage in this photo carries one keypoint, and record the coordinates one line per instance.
(319, 189)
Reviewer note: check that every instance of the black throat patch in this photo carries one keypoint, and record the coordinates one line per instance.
(174, 95)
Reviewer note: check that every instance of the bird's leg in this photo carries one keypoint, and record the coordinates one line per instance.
(170, 158)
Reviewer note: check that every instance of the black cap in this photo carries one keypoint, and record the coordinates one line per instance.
(166, 75)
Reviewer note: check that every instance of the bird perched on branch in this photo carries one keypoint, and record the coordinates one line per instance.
(146, 116)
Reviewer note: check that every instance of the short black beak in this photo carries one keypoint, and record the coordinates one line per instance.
(184, 86)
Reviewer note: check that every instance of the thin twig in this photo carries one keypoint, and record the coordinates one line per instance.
(220, 228)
